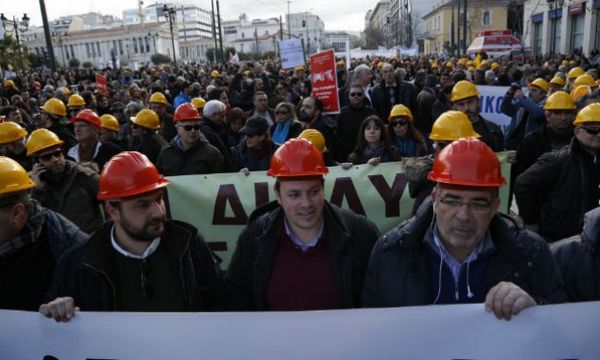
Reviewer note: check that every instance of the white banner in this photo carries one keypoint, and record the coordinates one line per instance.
(291, 53)
(490, 100)
(432, 332)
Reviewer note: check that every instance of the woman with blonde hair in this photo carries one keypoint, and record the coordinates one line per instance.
(286, 125)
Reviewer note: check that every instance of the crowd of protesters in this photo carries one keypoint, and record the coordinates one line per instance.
(69, 134)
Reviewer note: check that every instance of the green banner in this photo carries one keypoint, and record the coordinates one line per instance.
(220, 204)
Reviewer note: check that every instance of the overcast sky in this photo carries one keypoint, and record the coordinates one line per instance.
(337, 14)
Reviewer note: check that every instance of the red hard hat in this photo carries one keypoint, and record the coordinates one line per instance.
(186, 112)
(297, 158)
(128, 174)
(36, 84)
(468, 162)
(88, 116)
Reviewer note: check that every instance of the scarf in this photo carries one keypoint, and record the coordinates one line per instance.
(29, 234)
(281, 132)
(369, 153)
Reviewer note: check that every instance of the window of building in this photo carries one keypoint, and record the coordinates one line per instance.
(537, 38)
(121, 47)
(147, 40)
(577, 31)
(72, 51)
(87, 50)
(487, 18)
(141, 45)
(557, 22)
(135, 48)
(98, 47)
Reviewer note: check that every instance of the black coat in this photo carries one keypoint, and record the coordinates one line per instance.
(491, 134)
(244, 157)
(350, 236)
(88, 272)
(557, 190)
(217, 136)
(348, 125)
(579, 260)
(405, 94)
(202, 158)
(27, 274)
(399, 274)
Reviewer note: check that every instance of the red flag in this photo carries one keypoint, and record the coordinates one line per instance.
(101, 86)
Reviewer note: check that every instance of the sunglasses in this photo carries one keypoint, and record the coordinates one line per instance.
(399, 122)
(592, 130)
(357, 94)
(281, 112)
(49, 157)
(190, 127)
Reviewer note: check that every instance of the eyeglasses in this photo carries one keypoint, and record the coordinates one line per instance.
(281, 112)
(190, 127)
(48, 157)
(399, 122)
(357, 94)
(592, 130)
(145, 273)
(476, 205)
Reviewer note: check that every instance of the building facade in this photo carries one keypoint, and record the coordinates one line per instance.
(103, 46)
(252, 36)
(562, 26)
(308, 27)
(481, 15)
(193, 25)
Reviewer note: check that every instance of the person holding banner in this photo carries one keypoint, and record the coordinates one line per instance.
(300, 252)
(465, 98)
(139, 260)
(459, 249)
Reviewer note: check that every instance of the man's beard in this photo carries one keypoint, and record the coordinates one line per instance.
(304, 117)
(144, 234)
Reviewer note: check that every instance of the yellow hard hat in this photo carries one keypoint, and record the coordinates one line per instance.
(9, 83)
(435, 65)
(585, 79)
(107, 121)
(55, 106)
(449, 64)
(579, 91)
(215, 74)
(40, 140)
(158, 98)
(470, 63)
(198, 103)
(452, 125)
(572, 62)
(11, 131)
(314, 137)
(75, 100)
(558, 81)
(65, 90)
(146, 118)
(462, 90)
(540, 83)
(483, 63)
(574, 73)
(400, 111)
(463, 62)
(565, 62)
(299, 68)
(495, 66)
(380, 65)
(13, 178)
(588, 114)
(560, 100)
(471, 68)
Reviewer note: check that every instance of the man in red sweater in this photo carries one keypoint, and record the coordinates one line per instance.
(300, 252)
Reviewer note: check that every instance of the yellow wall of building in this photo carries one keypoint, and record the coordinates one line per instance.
(438, 37)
